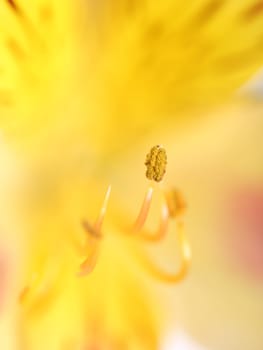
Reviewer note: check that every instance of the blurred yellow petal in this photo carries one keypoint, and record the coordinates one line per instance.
(119, 67)
(103, 309)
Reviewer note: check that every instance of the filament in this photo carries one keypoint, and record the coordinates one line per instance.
(100, 219)
(185, 252)
(162, 229)
(175, 202)
(90, 229)
(88, 265)
(94, 231)
(144, 211)
(42, 288)
(173, 207)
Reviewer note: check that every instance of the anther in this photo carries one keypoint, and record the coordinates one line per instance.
(156, 161)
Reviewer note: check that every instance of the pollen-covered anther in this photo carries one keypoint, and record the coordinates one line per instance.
(156, 161)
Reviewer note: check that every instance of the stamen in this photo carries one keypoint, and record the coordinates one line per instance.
(90, 229)
(88, 265)
(36, 304)
(143, 214)
(95, 229)
(175, 202)
(100, 219)
(162, 230)
(42, 289)
(156, 161)
(173, 206)
(185, 251)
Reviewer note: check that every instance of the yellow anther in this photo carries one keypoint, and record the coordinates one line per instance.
(156, 161)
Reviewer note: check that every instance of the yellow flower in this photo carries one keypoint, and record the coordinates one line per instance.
(217, 159)
(80, 83)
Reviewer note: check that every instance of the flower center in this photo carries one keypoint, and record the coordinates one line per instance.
(172, 208)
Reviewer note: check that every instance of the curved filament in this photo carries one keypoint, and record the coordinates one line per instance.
(173, 207)
(185, 251)
(162, 229)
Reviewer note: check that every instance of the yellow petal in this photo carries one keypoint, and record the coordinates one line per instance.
(120, 68)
